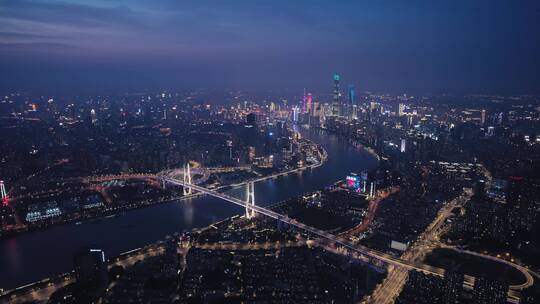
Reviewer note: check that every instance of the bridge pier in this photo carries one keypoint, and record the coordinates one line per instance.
(250, 199)
(186, 179)
(3, 193)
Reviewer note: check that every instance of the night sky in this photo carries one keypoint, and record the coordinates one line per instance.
(391, 46)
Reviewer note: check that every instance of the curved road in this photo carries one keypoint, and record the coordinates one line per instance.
(357, 251)
(527, 273)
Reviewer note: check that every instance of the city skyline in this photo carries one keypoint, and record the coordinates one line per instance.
(310, 152)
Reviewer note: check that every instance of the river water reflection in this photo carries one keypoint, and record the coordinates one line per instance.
(34, 256)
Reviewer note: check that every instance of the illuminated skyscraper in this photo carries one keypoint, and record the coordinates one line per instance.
(295, 113)
(352, 94)
(272, 107)
(336, 102)
(304, 102)
(352, 101)
(401, 110)
(309, 103)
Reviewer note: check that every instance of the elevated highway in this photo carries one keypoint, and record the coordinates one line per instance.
(342, 245)
(361, 252)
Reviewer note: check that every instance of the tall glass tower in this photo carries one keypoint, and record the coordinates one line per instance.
(352, 95)
(336, 102)
(351, 105)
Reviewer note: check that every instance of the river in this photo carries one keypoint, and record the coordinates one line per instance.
(33, 256)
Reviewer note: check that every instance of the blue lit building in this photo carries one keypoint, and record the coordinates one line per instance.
(336, 101)
(351, 92)
(352, 95)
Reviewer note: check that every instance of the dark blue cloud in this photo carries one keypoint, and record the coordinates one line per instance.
(66, 13)
(379, 45)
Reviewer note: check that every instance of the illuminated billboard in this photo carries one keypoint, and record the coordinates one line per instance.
(353, 181)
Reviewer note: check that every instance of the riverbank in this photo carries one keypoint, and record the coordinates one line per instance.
(355, 142)
(118, 211)
(323, 156)
(138, 228)
(42, 289)
(68, 277)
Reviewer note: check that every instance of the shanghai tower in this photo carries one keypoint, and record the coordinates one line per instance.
(336, 102)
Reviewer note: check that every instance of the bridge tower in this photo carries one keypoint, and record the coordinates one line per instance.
(187, 179)
(250, 199)
(372, 190)
(3, 192)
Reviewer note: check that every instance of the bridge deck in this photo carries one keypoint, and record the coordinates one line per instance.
(380, 256)
(357, 250)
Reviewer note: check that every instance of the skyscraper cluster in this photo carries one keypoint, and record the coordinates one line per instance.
(342, 105)
(344, 108)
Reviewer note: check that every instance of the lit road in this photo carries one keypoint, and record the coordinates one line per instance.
(389, 290)
(357, 250)
(40, 292)
(250, 246)
(394, 282)
(529, 280)
(391, 287)
(372, 209)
